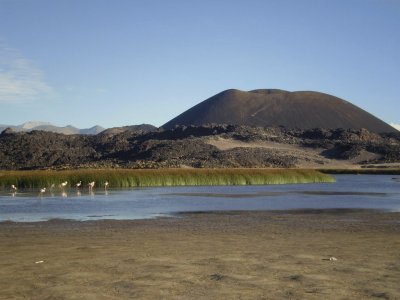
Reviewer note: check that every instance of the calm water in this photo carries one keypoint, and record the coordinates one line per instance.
(350, 191)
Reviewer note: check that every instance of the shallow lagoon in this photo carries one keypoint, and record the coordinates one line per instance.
(350, 191)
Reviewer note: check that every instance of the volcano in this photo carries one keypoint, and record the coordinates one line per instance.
(273, 107)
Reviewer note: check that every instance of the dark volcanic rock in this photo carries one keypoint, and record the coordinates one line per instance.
(38, 149)
(188, 146)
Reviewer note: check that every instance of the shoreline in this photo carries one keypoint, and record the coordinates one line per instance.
(248, 255)
(363, 171)
(187, 214)
(128, 178)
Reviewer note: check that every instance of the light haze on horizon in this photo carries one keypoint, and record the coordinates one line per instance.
(122, 62)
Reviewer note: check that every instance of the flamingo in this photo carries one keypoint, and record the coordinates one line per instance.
(13, 188)
(78, 185)
(91, 185)
(63, 184)
(105, 185)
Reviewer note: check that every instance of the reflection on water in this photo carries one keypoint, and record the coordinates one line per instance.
(264, 194)
(350, 191)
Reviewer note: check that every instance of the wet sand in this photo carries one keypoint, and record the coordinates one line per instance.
(236, 255)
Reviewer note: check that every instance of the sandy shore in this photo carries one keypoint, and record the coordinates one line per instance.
(238, 255)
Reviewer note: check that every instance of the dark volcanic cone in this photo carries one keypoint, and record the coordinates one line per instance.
(304, 110)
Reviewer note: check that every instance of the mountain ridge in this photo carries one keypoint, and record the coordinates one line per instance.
(49, 127)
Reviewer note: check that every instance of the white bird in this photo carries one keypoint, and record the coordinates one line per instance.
(63, 184)
(78, 185)
(43, 190)
(105, 185)
(91, 185)
(13, 188)
(332, 258)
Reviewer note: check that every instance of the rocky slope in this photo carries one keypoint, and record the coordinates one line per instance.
(142, 128)
(199, 146)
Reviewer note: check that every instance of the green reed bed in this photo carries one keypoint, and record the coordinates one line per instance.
(161, 177)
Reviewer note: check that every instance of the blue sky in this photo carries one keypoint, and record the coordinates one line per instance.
(121, 62)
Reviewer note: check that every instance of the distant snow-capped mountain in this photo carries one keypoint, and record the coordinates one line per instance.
(46, 126)
(32, 124)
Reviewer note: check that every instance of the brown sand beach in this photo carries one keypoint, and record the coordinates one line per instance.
(229, 255)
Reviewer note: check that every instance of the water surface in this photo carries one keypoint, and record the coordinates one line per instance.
(350, 191)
